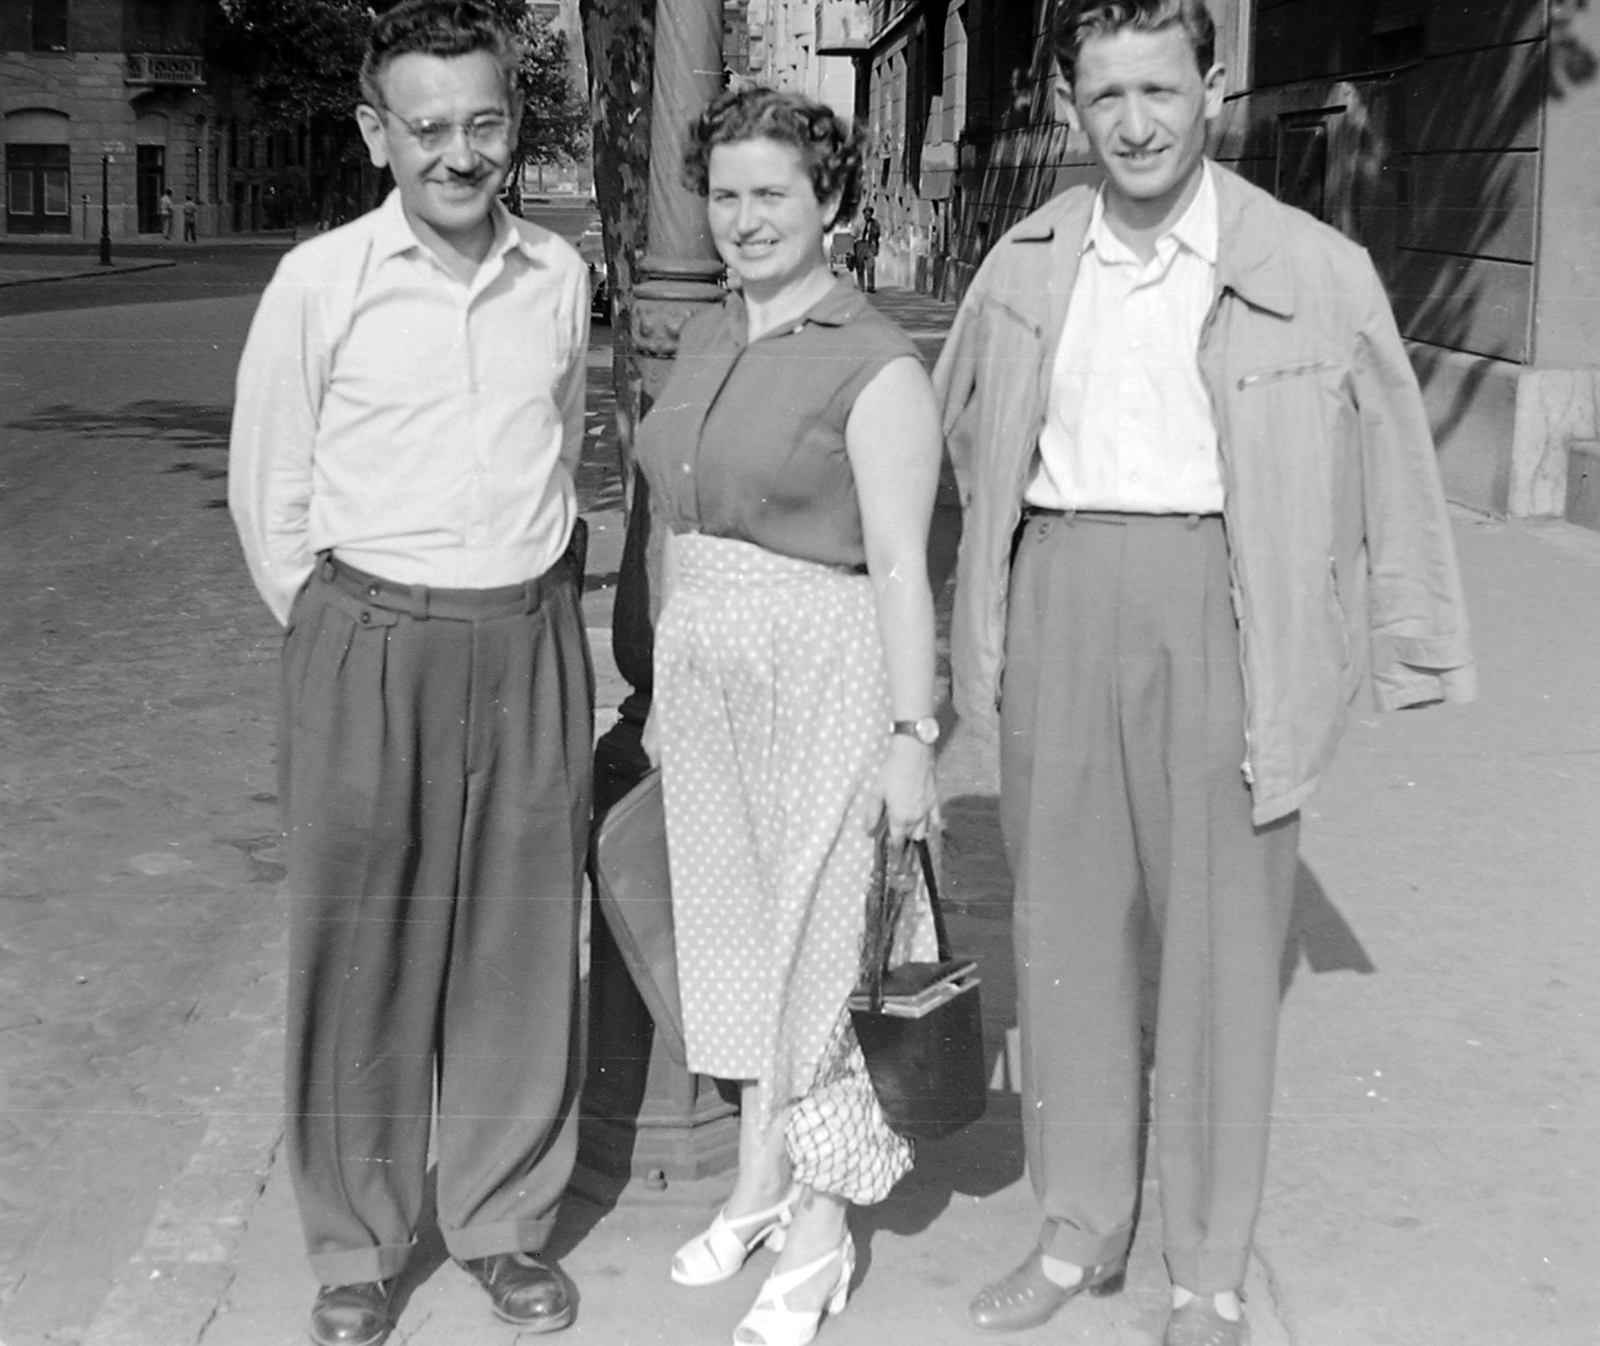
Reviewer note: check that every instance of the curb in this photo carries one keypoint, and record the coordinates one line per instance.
(117, 269)
(171, 1289)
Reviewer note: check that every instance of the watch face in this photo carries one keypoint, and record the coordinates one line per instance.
(925, 730)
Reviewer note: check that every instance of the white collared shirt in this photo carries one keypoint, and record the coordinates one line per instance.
(1128, 422)
(422, 428)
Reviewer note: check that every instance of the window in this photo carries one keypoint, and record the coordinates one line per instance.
(19, 192)
(38, 189)
(49, 25)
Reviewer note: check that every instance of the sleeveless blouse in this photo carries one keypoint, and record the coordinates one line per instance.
(747, 440)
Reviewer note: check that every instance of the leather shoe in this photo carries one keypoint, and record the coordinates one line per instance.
(526, 1292)
(351, 1315)
(1027, 1297)
(1198, 1323)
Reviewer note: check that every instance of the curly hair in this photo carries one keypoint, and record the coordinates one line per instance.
(1103, 18)
(436, 28)
(831, 147)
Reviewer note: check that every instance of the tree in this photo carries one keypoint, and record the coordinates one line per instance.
(555, 115)
(301, 62)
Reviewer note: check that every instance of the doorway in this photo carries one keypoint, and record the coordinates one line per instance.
(151, 182)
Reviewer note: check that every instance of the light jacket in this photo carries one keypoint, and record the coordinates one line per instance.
(1343, 567)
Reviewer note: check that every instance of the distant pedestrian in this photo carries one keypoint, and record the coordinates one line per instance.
(408, 422)
(868, 238)
(1201, 499)
(190, 211)
(164, 209)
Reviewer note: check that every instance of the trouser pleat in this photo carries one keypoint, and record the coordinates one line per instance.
(435, 782)
(1126, 815)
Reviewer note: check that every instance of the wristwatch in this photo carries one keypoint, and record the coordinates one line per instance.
(925, 730)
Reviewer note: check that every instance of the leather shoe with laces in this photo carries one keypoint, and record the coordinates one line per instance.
(351, 1315)
(1027, 1297)
(526, 1292)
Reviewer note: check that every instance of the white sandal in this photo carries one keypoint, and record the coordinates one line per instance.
(769, 1323)
(719, 1252)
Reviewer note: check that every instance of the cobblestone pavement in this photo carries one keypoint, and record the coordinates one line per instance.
(140, 926)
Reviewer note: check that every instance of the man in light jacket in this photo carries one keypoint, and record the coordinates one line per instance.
(1201, 511)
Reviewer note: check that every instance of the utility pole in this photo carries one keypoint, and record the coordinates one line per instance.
(105, 209)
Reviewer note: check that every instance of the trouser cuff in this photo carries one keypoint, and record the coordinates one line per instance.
(358, 1266)
(1208, 1272)
(1068, 1244)
(490, 1240)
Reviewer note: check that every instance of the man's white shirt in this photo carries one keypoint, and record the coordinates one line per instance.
(424, 429)
(1128, 423)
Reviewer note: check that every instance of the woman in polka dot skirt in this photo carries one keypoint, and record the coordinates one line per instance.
(794, 455)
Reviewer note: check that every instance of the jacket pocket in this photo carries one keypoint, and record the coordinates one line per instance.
(1267, 376)
(1034, 328)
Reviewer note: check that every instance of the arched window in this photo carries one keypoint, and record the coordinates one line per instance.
(38, 172)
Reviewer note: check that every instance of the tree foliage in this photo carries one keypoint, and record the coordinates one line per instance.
(301, 60)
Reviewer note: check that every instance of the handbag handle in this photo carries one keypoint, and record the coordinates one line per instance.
(884, 914)
(940, 934)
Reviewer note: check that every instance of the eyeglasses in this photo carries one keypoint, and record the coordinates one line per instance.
(491, 131)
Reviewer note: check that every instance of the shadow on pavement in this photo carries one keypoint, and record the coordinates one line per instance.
(1319, 935)
(181, 424)
(985, 1158)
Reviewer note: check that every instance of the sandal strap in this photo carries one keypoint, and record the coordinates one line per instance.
(780, 1283)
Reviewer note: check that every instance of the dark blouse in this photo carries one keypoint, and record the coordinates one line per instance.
(747, 438)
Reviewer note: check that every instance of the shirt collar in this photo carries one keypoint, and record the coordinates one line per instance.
(1196, 229)
(393, 234)
(838, 307)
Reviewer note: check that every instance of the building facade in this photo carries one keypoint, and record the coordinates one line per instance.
(1452, 138)
(121, 92)
(800, 45)
(113, 88)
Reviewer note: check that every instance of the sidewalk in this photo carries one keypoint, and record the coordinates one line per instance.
(1435, 1173)
(16, 269)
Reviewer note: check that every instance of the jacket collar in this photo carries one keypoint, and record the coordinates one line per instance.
(1252, 250)
(1252, 246)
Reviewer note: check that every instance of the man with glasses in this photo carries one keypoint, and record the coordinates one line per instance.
(408, 420)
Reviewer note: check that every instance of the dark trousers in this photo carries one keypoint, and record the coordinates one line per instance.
(1126, 812)
(434, 767)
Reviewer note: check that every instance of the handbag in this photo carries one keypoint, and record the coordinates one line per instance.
(635, 896)
(919, 1024)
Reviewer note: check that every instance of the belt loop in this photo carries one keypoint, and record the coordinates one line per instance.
(530, 594)
(1069, 516)
(325, 568)
(1192, 522)
(418, 596)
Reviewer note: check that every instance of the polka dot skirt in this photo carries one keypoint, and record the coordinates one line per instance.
(773, 705)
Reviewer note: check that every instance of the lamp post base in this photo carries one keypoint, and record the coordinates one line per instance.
(645, 1116)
